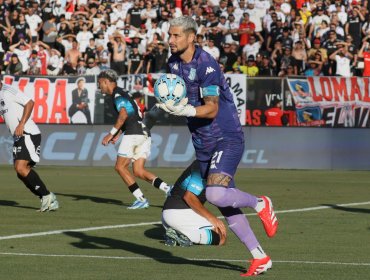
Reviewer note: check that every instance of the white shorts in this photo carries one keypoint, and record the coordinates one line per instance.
(189, 223)
(134, 147)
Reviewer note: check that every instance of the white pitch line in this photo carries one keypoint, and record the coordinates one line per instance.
(75, 230)
(322, 207)
(26, 235)
(180, 258)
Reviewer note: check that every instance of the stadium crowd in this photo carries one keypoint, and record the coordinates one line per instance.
(253, 37)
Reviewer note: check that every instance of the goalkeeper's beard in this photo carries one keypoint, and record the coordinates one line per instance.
(179, 52)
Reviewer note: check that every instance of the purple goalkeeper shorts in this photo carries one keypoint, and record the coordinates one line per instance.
(224, 158)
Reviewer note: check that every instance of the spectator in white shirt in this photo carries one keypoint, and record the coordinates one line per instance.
(23, 51)
(233, 28)
(212, 49)
(55, 63)
(117, 13)
(223, 25)
(96, 17)
(239, 10)
(255, 15)
(34, 22)
(92, 68)
(83, 37)
(317, 20)
(342, 14)
(343, 58)
(66, 41)
(253, 47)
(154, 29)
(148, 14)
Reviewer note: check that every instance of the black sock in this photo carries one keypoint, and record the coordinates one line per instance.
(133, 187)
(215, 238)
(28, 185)
(135, 190)
(157, 182)
(36, 183)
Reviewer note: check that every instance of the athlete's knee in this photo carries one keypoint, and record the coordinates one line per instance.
(120, 168)
(139, 173)
(21, 169)
(215, 195)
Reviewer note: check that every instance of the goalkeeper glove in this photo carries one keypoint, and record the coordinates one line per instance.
(181, 109)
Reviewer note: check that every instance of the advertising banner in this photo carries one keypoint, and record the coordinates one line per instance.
(263, 98)
(331, 101)
(292, 148)
(60, 100)
(238, 87)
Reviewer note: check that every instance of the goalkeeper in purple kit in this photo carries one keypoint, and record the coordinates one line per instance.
(217, 138)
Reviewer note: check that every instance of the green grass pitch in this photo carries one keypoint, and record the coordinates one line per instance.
(94, 236)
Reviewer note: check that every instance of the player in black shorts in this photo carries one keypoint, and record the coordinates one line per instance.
(16, 109)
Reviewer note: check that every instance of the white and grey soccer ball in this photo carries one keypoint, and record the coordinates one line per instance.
(169, 87)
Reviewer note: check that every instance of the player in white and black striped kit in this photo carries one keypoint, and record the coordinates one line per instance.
(16, 109)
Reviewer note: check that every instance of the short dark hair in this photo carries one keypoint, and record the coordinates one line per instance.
(108, 74)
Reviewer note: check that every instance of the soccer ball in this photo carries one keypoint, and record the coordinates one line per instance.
(169, 87)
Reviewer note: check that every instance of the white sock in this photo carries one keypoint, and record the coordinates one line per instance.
(164, 187)
(260, 205)
(258, 253)
(139, 195)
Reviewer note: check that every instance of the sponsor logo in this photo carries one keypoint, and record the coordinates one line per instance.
(197, 187)
(192, 74)
(210, 70)
(175, 66)
(173, 149)
(2, 104)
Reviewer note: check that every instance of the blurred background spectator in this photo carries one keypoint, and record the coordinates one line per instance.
(277, 33)
(15, 66)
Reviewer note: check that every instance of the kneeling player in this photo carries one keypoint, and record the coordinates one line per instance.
(184, 226)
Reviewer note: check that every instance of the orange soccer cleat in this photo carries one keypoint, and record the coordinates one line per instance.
(268, 217)
(258, 266)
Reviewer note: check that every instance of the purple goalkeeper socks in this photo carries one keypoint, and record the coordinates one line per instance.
(225, 197)
(241, 228)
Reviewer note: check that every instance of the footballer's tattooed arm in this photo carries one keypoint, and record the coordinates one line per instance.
(211, 99)
(218, 179)
(210, 108)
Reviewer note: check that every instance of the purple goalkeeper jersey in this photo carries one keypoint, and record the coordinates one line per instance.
(203, 77)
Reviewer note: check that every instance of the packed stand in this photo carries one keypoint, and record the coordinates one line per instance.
(252, 37)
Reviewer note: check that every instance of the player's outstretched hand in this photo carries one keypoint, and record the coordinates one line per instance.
(181, 109)
(219, 227)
